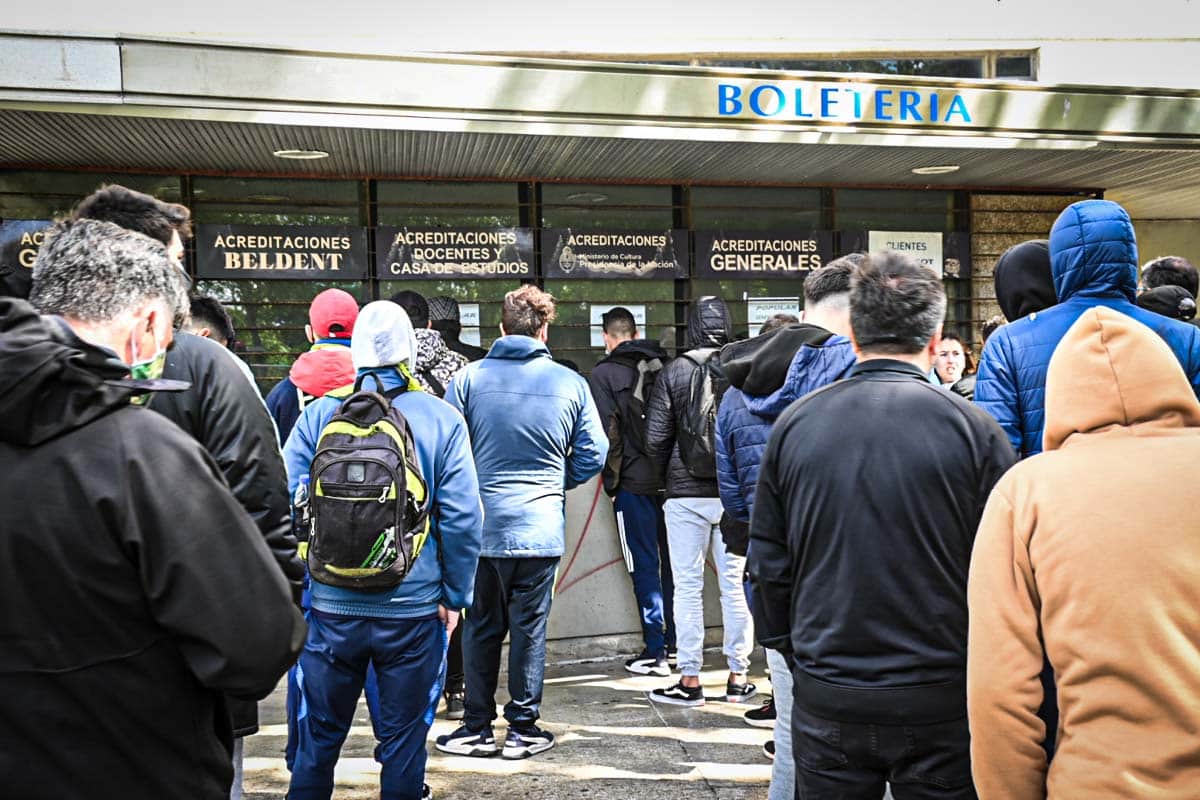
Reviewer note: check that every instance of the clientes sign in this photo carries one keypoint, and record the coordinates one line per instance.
(842, 103)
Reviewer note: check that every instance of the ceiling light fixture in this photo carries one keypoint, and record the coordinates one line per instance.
(940, 169)
(301, 155)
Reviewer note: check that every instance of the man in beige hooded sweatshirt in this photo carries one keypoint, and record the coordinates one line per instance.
(1092, 552)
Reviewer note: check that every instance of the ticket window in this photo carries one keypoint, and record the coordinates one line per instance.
(609, 209)
(774, 210)
(269, 315)
(940, 214)
(454, 204)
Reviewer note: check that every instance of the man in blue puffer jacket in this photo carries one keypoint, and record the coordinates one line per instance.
(1093, 259)
(401, 632)
(535, 433)
(766, 375)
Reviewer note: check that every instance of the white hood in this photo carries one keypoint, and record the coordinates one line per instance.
(383, 337)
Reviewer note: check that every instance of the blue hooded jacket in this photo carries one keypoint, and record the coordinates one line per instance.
(1093, 260)
(535, 433)
(444, 453)
(744, 420)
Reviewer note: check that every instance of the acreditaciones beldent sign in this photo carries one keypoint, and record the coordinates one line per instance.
(304, 252)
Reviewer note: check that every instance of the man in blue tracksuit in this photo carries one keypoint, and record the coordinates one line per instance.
(535, 433)
(1094, 262)
(401, 632)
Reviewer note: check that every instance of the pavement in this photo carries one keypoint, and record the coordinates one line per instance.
(612, 743)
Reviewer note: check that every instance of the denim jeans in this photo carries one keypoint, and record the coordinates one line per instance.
(643, 535)
(692, 530)
(852, 761)
(783, 770)
(512, 596)
(408, 656)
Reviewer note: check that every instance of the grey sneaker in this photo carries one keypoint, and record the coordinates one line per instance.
(466, 742)
(526, 742)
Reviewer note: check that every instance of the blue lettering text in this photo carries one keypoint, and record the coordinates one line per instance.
(728, 103)
(800, 105)
(828, 101)
(880, 104)
(756, 100)
(908, 105)
(957, 106)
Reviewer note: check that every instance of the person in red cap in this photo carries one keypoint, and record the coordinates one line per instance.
(325, 367)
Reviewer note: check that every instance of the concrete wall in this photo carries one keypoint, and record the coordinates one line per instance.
(1168, 237)
(594, 595)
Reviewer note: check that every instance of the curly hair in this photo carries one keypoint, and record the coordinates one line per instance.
(527, 310)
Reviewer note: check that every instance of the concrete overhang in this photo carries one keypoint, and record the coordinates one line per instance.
(80, 102)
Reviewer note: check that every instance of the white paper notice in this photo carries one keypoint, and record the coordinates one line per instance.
(596, 312)
(762, 309)
(926, 248)
(468, 318)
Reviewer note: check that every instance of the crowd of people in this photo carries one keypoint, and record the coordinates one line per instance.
(968, 581)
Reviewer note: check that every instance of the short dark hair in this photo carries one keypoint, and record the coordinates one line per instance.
(1171, 271)
(777, 321)
(136, 211)
(207, 312)
(832, 279)
(619, 323)
(896, 305)
(415, 305)
(526, 310)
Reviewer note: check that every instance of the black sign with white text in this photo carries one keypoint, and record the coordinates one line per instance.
(614, 254)
(761, 254)
(423, 253)
(304, 252)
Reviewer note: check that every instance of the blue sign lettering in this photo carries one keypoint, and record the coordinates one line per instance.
(842, 103)
(728, 103)
(756, 100)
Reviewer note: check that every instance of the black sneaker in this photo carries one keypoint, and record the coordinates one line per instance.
(740, 692)
(466, 742)
(763, 716)
(454, 705)
(526, 742)
(426, 792)
(646, 664)
(679, 695)
(769, 749)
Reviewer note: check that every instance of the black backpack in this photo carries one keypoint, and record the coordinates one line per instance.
(697, 434)
(369, 502)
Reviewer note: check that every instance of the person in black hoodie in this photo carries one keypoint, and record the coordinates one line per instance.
(868, 498)
(621, 384)
(693, 510)
(134, 588)
(221, 410)
(445, 319)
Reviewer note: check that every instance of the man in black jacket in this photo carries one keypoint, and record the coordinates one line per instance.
(134, 588)
(222, 411)
(868, 499)
(693, 516)
(444, 318)
(621, 385)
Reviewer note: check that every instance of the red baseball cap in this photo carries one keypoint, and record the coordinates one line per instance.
(332, 309)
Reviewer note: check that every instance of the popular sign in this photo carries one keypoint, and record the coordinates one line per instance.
(459, 253)
(333, 252)
(758, 254)
(612, 254)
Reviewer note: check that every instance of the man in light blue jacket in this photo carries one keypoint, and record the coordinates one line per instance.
(535, 433)
(400, 632)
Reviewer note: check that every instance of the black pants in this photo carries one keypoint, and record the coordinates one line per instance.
(512, 596)
(454, 661)
(851, 761)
